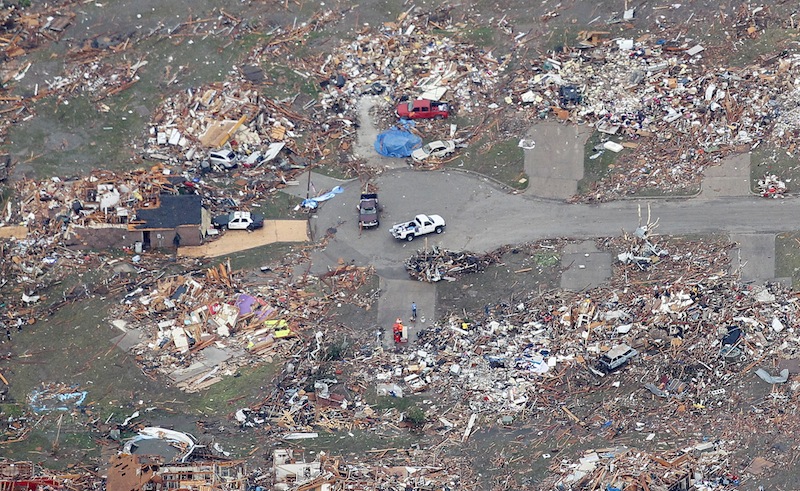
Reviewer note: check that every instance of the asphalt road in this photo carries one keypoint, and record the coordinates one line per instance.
(480, 218)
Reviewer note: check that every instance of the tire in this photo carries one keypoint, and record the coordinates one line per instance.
(438, 117)
(410, 237)
(439, 229)
(377, 223)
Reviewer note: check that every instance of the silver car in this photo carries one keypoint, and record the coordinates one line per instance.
(436, 149)
(616, 357)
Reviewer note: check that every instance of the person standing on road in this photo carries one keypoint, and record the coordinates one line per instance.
(397, 331)
(413, 311)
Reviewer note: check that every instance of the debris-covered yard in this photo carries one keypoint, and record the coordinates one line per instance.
(135, 137)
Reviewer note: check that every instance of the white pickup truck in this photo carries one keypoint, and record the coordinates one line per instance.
(420, 225)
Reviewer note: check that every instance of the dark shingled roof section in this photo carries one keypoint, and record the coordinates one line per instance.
(174, 211)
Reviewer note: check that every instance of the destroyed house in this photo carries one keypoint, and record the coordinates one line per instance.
(129, 472)
(297, 475)
(175, 220)
(136, 210)
(19, 475)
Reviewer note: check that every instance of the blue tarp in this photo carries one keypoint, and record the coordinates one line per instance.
(395, 142)
(312, 203)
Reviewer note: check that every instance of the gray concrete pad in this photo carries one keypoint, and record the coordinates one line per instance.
(128, 340)
(584, 266)
(552, 188)
(555, 165)
(730, 178)
(754, 256)
(395, 302)
(367, 133)
(206, 360)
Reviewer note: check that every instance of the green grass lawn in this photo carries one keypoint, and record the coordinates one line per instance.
(595, 169)
(787, 256)
(770, 159)
(502, 161)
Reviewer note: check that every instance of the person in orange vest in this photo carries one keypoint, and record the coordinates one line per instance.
(397, 329)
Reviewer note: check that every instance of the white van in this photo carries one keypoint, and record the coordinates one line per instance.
(616, 357)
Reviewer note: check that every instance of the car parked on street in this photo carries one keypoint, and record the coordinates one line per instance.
(368, 211)
(420, 225)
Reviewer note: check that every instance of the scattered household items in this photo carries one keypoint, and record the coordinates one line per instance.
(771, 187)
(441, 264)
(420, 225)
(524, 359)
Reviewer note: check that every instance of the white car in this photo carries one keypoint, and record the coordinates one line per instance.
(436, 149)
(223, 158)
(420, 225)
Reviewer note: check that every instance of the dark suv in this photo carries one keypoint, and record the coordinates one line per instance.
(368, 211)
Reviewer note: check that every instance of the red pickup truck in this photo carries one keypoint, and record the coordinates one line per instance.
(423, 109)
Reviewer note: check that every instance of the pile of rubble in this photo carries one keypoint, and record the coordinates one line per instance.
(442, 264)
(196, 329)
(702, 467)
(190, 124)
(684, 314)
(675, 112)
(410, 470)
(410, 57)
(771, 187)
(664, 100)
(184, 328)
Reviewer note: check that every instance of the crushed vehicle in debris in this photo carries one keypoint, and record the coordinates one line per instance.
(617, 357)
(423, 109)
(435, 149)
(420, 225)
(223, 159)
